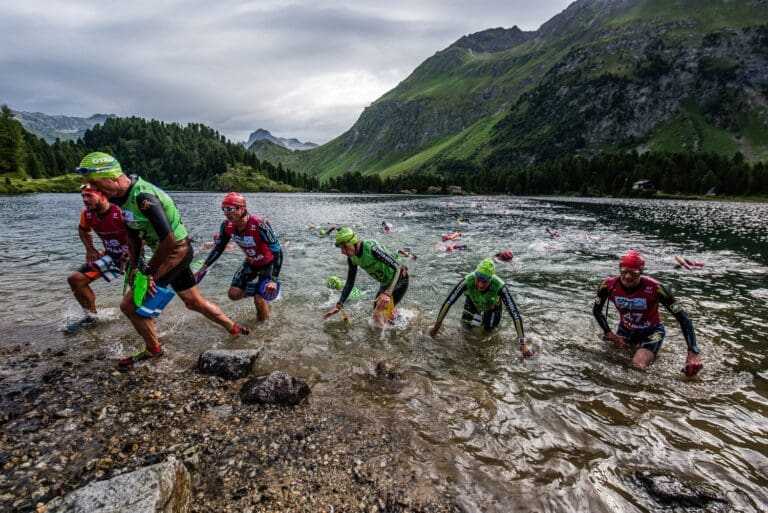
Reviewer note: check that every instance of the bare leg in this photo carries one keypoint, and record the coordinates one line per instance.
(80, 285)
(262, 308)
(643, 358)
(235, 294)
(144, 326)
(195, 301)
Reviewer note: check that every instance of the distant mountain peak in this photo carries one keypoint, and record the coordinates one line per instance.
(291, 144)
(58, 126)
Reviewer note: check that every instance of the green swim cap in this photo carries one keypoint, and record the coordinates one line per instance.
(99, 165)
(345, 237)
(335, 283)
(486, 268)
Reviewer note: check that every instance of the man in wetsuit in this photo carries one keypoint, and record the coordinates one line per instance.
(381, 264)
(106, 220)
(485, 292)
(152, 219)
(258, 275)
(637, 298)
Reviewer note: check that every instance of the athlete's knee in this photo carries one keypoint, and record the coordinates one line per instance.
(643, 358)
(234, 293)
(77, 279)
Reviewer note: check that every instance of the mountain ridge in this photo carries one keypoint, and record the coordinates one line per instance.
(291, 144)
(57, 126)
(603, 75)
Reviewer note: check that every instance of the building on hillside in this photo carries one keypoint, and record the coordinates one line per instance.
(643, 185)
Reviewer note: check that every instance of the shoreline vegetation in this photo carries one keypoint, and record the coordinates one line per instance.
(196, 157)
(11, 184)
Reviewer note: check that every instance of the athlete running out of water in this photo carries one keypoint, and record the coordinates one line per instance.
(636, 298)
(258, 276)
(152, 219)
(484, 294)
(107, 221)
(381, 264)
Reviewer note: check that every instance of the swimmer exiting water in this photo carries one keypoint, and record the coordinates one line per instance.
(406, 252)
(484, 295)
(381, 265)
(637, 299)
(688, 264)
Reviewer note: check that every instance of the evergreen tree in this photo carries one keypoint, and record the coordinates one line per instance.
(11, 143)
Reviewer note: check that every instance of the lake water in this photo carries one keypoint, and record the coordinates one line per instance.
(564, 431)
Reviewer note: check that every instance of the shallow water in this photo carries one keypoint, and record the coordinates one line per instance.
(561, 432)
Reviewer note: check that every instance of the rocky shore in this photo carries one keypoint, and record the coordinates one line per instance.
(68, 419)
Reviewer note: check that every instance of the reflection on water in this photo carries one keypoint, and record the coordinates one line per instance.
(562, 432)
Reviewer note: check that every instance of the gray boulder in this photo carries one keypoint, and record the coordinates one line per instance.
(275, 388)
(670, 490)
(161, 488)
(228, 363)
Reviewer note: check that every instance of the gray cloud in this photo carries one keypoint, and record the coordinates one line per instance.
(303, 69)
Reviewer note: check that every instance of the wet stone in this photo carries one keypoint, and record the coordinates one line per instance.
(276, 388)
(670, 490)
(228, 363)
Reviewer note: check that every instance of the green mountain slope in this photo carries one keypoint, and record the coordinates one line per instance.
(604, 75)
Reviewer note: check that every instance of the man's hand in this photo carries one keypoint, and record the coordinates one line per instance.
(617, 340)
(91, 255)
(527, 350)
(336, 309)
(382, 302)
(270, 290)
(333, 311)
(692, 365)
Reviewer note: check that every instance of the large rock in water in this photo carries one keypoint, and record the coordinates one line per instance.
(161, 488)
(228, 363)
(275, 388)
(670, 490)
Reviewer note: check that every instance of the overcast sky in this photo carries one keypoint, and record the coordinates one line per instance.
(303, 69)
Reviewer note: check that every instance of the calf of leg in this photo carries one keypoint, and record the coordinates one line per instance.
(194, 300)
(80, 285)
(262, 308)
(144, 326)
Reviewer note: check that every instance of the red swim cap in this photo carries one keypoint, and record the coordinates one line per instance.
(632, 260)
(233, 199)
(505, 255)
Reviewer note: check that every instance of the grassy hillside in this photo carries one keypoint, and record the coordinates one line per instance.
(684, 75)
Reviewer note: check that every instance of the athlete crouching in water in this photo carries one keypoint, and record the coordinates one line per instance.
(637, 298)
(485, 292)
(381, 264)
(263, 255)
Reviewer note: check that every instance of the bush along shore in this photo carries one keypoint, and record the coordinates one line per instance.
(69, 419)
